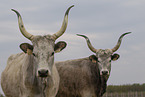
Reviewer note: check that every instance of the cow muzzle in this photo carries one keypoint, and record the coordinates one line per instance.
(43, 73)
(104, 72)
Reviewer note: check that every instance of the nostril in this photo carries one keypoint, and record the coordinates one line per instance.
(43, 73)
(104, 72)
(39, 72)
(46, 71)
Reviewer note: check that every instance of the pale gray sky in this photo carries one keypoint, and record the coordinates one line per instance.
(103, 21)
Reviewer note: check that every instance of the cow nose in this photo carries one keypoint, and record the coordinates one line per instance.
(43, 73)
(104, 72)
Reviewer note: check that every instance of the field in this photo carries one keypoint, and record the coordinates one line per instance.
(130, 90)
(129, 94)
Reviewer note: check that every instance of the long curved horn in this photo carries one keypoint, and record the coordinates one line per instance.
(21, 26)
(88, 43)
(119, 42)
(64, 25)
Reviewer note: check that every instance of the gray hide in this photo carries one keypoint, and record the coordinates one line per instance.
(87, 77)
(33, 73)
(78, 78)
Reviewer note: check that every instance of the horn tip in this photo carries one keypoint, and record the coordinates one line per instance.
(13, 9)
(18, 14)
(82, 36)
(78, 34)
(128, 32)
(72, 5)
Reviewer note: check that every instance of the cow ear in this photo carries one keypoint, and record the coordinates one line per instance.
(93, 58)
(115, 57)
(26, 48)
(60, 46)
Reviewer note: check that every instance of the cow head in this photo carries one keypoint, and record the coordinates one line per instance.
(44, 47)
(43, 54)
(104, 57)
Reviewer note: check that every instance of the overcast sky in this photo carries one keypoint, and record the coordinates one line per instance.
(103, 21)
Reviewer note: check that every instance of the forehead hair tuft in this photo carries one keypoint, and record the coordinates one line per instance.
(104, 53)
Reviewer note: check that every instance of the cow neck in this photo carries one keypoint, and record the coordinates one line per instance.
(29, 70)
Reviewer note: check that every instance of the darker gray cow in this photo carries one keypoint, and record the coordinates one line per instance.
(87, 77)
(34, 74)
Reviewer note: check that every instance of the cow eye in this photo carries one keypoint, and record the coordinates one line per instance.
(52, 54)
(34, 54)
(98, 61)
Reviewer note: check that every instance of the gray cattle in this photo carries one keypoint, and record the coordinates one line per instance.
(33, 73)
(87, 77)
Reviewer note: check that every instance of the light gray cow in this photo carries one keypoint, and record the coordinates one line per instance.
(87, 77)
(33, 73)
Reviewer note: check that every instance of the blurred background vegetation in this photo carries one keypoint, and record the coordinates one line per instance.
(126, 88)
